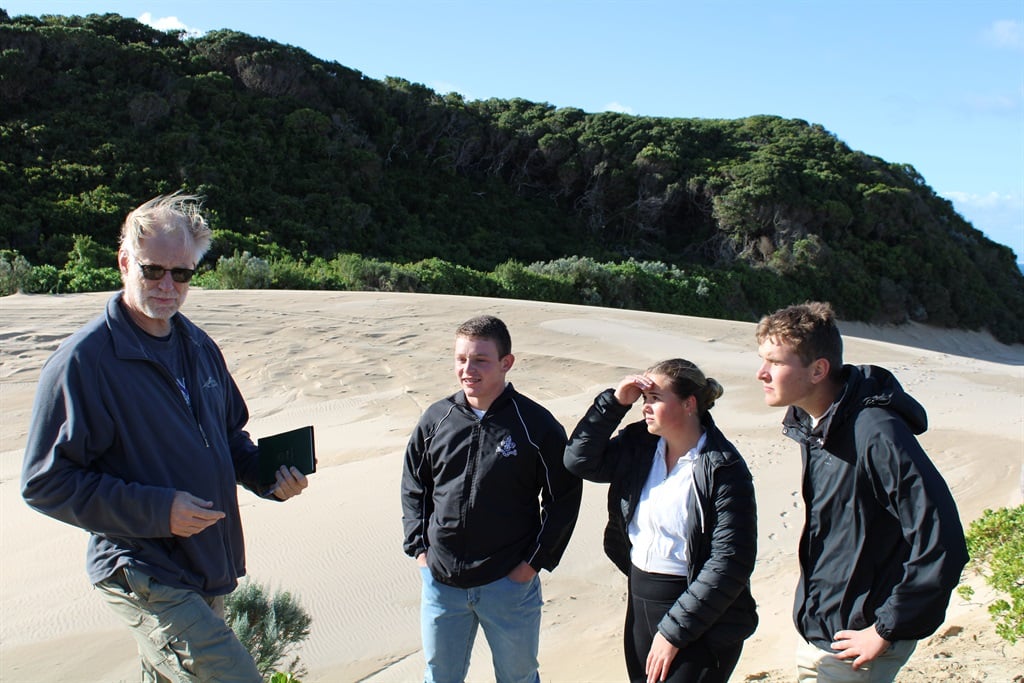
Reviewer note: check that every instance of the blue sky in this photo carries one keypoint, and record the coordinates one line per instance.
(938, 84)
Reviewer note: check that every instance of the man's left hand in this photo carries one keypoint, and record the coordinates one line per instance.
(861, 646)
(523, 573)
(290, 482)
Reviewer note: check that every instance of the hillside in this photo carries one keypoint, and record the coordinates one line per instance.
(302, 159)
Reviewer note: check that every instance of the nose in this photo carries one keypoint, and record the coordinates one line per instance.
(762, 373)
(166, 282)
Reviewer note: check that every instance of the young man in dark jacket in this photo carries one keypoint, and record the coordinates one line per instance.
(486, 504)
(882, 546)
(137, 436)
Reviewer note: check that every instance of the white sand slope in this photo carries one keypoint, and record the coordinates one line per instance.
(361, 367)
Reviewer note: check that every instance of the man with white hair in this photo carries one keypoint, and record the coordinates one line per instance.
(137, 436)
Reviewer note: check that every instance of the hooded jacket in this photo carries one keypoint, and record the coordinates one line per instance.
(111, 439)
(721, 541)
(470, 489)
(882, 541)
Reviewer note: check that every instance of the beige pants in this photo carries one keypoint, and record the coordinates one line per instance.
(814, 665)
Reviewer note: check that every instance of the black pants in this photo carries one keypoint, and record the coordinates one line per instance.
(650, 598)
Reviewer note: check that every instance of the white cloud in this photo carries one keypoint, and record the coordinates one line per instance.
(444, 87)
(995, 104)
(168, 24)
(616, 107)
(987, 201)
(1000, 216)
(1006, 33)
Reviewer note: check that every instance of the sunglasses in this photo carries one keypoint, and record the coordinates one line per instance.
(152, 272)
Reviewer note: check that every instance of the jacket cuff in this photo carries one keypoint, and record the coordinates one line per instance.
(885, 632)
(609, 405)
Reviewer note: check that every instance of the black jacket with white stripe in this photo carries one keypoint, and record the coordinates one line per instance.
(481, 495)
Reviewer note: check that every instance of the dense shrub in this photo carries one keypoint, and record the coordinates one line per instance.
(15, 272)
(241, 271)
(995, 542)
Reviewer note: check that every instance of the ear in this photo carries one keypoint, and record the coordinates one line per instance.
(506, 362)
(819, 370)
(122, 261)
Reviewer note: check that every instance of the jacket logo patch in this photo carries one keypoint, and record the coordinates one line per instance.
(211, 383)
(507, 448)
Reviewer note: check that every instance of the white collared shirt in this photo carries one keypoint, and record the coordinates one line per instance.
(658, 529)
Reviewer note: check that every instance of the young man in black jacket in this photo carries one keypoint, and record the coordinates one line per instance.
(486, 504)
(882, 546)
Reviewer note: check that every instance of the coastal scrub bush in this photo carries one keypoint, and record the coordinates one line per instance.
(590, 280)
(268, 626)
(241, 271)
(15, 271)
(288, 272)
(516, 281)
(357, 273)
(44, 279)
(435, 276)
(995, 542)
(88, 267)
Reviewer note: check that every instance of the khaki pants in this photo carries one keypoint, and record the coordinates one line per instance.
(181, 635)
(820, 666)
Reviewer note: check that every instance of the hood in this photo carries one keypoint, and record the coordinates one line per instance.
(866, 386)
(869, 386)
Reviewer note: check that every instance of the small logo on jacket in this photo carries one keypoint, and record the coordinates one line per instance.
(211, 383)
(507, 448)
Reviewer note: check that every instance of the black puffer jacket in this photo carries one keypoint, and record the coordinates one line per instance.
(722, 540)
(882, 542)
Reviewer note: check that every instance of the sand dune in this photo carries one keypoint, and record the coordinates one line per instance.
(362, 366)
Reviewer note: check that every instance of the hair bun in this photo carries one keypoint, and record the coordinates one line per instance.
(712, 392)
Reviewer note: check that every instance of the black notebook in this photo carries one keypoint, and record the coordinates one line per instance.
(292, 448)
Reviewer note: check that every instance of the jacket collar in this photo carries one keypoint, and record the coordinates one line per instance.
(123, 330)
(459, 398)
(864, 386)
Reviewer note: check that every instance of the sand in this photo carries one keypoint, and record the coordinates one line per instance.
(362, 366)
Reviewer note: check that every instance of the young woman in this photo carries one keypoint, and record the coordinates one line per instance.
(682, 522)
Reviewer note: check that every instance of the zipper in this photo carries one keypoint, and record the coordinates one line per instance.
(181, 399)
(472, 462)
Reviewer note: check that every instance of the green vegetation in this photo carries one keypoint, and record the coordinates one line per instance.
(637, 285)
(319, 177)
(268, 627)
(995, 542)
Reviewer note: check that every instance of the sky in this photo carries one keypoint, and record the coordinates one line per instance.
(937, 84)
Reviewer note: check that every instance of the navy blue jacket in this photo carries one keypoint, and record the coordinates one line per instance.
(882, 542)
(484, 494)
(112, 439)
(721, 540)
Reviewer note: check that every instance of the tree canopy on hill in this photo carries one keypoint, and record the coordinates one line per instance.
(305, 159)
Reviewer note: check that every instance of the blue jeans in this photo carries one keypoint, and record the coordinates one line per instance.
(509, 613)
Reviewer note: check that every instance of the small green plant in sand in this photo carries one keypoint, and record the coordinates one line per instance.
(269, 628)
